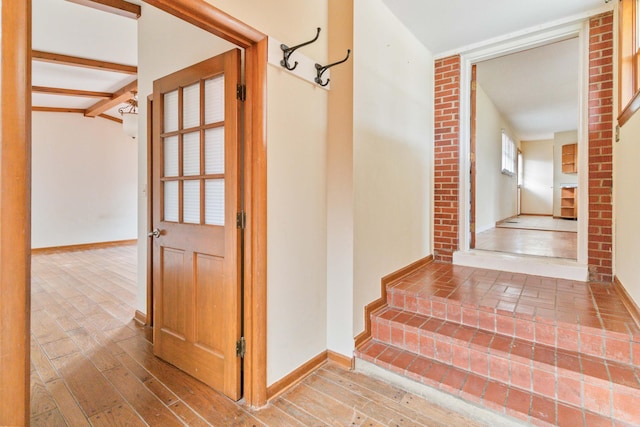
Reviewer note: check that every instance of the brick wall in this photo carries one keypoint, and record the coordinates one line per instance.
(446, 157)
(600, 146)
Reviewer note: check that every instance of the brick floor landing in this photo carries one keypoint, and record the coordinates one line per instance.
(546, 351)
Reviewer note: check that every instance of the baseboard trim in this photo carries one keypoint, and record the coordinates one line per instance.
(140, 318)
(377, 304)
(83, 246)
(628, 302)
(284, 384)
(502, 221)
(341, 360)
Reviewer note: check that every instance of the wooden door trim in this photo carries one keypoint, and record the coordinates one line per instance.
(472, 151)
(207, 17)
(15, 212)
(149, 315)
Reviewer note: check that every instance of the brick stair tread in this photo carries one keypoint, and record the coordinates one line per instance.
(444, 302)
(522, 404)
(570, 365)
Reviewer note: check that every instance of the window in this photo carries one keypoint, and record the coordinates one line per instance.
(629, 59)
(509, 155)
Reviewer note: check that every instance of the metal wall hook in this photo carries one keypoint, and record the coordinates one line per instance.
(320, 69)
(287, 51)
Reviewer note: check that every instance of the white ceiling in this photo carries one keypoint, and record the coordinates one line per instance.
(536, 90)
(443, 25)
(70, 29)
(544, 79)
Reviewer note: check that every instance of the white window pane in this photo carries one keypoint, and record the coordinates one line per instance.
(171, 201)
(214, 151)
(214, 202)
(191, 106)
(191, 154)
(171, 111)
(214, 100)
(191, 205)
(171, 156)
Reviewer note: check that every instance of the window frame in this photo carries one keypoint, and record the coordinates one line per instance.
(509, 155)
(628, 59)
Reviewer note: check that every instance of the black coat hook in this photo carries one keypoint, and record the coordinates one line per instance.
(321, 69)
(287, 51)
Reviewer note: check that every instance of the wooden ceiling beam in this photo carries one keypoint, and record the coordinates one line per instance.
(70, 92)
(120, 96)
(56, 58)
(73, 110)
(108, 117)
(118, 7)
(58, 110)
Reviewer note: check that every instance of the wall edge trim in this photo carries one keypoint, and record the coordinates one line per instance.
(340, 359)
(297, 375)
(83, 246)
(377, 304)
(627, 301)
(140, 318)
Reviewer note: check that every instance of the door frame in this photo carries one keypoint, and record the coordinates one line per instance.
(574, 28)
(15, 212)
(209, 18)
(15, 202)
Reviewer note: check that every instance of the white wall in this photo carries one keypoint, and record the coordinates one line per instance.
(537, 183)
(296, 163)
(392, 150)
(626, 205)
(84, 178)
(340, 208)
(495, 191)
(560, 178)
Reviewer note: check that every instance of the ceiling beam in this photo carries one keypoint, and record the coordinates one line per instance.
(120, 96)
(70, 92)
(56, 58)
(58, 110)
(108, 117)
(118, 7)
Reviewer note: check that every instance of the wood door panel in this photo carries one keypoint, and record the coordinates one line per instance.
(174, 299)
(209, 296)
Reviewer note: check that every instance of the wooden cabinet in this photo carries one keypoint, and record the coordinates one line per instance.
(569, 202)
(570, 158)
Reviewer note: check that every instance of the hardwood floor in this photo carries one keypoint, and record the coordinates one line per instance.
(91, 365)
(530, 235)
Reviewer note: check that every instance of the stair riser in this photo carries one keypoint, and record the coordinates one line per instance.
(591, 341)
(598, 397)
(521, 372)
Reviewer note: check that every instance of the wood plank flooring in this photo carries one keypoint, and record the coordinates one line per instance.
(92, 366)
(555, 244)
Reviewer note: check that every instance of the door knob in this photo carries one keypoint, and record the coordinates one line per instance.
(155, 233)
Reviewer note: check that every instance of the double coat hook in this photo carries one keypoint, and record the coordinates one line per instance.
(320, 69)
(287, 51)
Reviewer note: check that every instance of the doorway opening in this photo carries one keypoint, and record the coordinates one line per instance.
(525, 115)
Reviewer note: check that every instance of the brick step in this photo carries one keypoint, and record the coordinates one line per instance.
(526, 405)
(621, 345)
(570, 377)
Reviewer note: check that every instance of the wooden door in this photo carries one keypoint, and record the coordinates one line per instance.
(196, 249)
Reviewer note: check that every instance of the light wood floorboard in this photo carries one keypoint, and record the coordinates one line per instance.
(92, 365)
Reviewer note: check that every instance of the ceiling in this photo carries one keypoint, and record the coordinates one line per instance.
(544, 79)
(536, 90)
(444, 25)
(62, 27)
